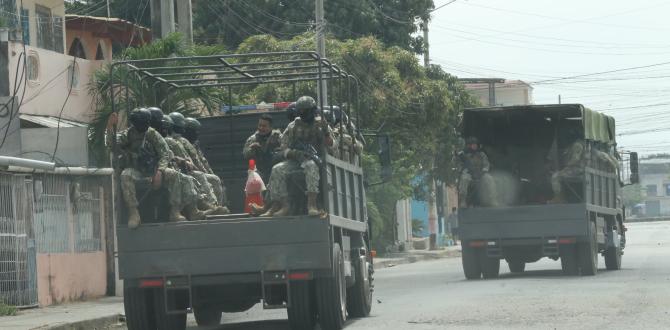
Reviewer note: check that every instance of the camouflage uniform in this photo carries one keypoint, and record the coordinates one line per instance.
(204, 188)
(202, 165)
(476, 168)
(131, 142)
(574, 158)
(263, 155)
(298, 131)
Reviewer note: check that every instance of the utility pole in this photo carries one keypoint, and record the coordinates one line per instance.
(426, 45)
(109, 13)
(321, 48)
(185, 19)
(559, 98)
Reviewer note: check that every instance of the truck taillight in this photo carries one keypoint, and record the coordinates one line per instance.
(567, 240)
(151, 283)
(477, 243)
(303, 276)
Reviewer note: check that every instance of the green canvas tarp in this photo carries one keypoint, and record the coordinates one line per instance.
(598, 126)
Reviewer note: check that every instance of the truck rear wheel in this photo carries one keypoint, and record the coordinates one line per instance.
(516, 265)
(613, 256)
(165, 321)
(569, 260)
(359, 297)
(490, 266)
(588, 254)
(331, 293)
(138, 306)
(470, 259)
(207, 316)
(301, 312)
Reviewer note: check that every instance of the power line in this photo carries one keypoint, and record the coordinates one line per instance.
(442, 6)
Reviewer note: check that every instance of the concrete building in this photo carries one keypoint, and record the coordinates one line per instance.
(499, 92)
(655, 183)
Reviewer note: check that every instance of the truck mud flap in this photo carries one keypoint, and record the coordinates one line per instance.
(280, 280)
(178, 295)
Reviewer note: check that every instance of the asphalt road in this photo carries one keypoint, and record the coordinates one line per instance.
(435, 295)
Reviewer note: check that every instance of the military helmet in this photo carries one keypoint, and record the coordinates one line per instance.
(192, 124)
(156, 116)
(305, 103)
(166, 122)
(471, 140)
(178, 120)
(139, 117)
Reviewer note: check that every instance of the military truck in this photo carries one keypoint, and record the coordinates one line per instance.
(319, 268)
(525, 146)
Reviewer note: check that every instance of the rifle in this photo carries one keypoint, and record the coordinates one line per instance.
(309, 150)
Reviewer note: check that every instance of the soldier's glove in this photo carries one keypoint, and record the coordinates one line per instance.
(295, 155)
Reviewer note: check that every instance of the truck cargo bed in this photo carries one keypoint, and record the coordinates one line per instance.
(224, 246)
(528, 221)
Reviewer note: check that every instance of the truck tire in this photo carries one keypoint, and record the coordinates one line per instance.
(139, 309)
(301, 312)
(490, 266)
(569, 263)
(165, 321)
(613, 256)
(516, 265)
(331, 295)
(587, 254)
(470, 259)
(207, 316)
(359, 296)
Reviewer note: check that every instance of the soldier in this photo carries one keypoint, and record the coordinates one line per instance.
(183, 163)
(573, 161)
(304, 131)
(475, 174)
(261, 146)
(145, 158)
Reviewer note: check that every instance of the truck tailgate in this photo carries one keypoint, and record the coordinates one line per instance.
(530, 221)
(224, 247)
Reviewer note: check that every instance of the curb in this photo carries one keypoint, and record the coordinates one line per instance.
(92, 324)
(634, 220)
(415, 257)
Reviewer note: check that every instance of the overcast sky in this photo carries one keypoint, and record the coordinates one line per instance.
(544, 41)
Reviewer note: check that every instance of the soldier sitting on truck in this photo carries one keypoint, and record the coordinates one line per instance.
(572, 160)
(181, 161)
(299, 141)
(475, 174)
(145, 158)
(262, 145)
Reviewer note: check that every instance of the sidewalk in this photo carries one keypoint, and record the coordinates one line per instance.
(413, 256)
(95, 314)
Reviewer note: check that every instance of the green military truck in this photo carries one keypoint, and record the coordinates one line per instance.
(319, 268)
(525, 146)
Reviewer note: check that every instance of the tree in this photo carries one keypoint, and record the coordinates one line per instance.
(632, 195)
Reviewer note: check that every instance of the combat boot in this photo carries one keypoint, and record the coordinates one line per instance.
(193, 214)
(133, 217)
(272, 210)
(175, 216)
(217, 210)
(312, 209)
(283, 209)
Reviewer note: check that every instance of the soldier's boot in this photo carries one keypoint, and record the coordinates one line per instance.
(175, 216)
(272, 210)
(217, 210)
(283, 209)
(312, 209)
(192, 213)
(133, 217)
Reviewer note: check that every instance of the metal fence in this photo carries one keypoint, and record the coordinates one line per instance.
(46, 213)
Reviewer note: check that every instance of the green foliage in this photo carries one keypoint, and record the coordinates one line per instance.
(632, 195)
(417, 227)
(136, 11)
(7, 310)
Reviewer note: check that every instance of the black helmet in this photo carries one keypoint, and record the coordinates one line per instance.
(306, 107)
(166, 126)
(156, 117)
(192, 124)
(140, 119)
(178, 122)
(291, 112)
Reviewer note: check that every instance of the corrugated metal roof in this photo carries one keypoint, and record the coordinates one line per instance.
(50, 121)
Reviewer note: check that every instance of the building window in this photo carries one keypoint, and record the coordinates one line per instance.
(77, 49)
(652, 190)
(667, 189)
(25, 25)
(33, 67)
(99, 54)
(49, 29)
(73, 76)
